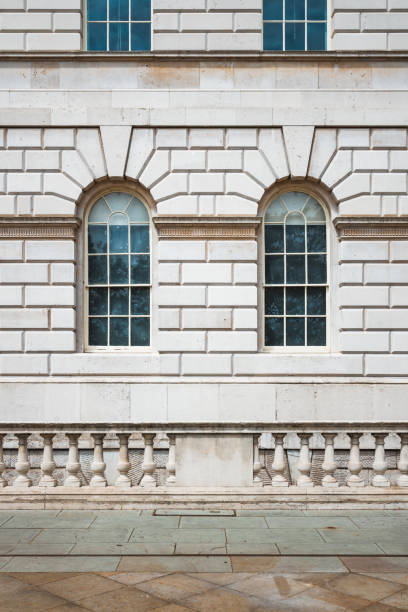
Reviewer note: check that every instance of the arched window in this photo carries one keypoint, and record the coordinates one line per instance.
(117, 282)
(295, 271)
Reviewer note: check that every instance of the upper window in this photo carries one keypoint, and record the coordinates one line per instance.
(117, 283)
(294, 25)
(118, 25)
(295, 272)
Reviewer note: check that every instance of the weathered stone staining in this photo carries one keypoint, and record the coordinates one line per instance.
(206, 129)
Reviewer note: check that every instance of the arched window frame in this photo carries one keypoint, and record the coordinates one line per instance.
(91, 201)
(319, 196)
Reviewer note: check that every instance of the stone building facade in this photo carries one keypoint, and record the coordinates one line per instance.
(206, 129)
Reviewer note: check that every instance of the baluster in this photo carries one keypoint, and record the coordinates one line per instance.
(48, 463)
(148, 465)
(98, 465)
(329, 464)
(403, 461)
(73, 466)
(123, 466)
(278, 464)
(304, 464)
(380, 463)
(22, 463)
(171, 463)
(354, 465)
(257, 463)
(3, 482)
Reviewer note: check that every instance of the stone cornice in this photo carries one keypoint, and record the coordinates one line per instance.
(175, 228)
(370, 228)
(153, 56)
(45, 228)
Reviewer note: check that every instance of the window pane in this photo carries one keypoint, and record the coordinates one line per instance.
(274, 239)
(96, 10)
(276, 212)
(317, 273)
(137, 212)
(295, 269)
(274, 300)
(274, 331)
(274, 270)
(141, 36)
(316, 36)
(119, 331)
(295, 331)
(294, 36)
(295, 200)
(316, 238)
(117, 201)
(314, 212)
(140, 301)
(316, 331)
(98, 331)
(316, 300)
(99, 212)
(295, 239)
(119, 301)
(273, 36)
(119, 10)
(97, 238)
(317, 9)
(118, 37)
(139, 238)
(140, 269)
(97, 270)
(141, 331)
(295, 301)
(119, 269)
(97, 37)
(118, 239)
(273, 9)
(295, 9)
(98, 301)
(141, 10)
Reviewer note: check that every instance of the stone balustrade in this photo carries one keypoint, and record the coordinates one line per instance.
(299, 478)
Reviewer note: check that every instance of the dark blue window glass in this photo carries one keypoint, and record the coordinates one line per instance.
(273, 9)
(316, 300)
(274, 301)
(140, 269)
(274, 331)
(273, 36)
(119, 269)
(295, 10)
(139, 238)
(97, 10)
(118, 239)
(140, 301)
(119, 301)
(295, 301)
(295, 331)
(274, 239)
(119, 331)
(294, 36)
(119, 10)
(98, 331)
(141, 10)
(274, 270)
(141, 36)
(97, 39)
(316, 36)
(97, 239)
(295, 239)
(97, 270)
(317, 10)
(316, 238)
(119, 37)
(316, 331)
(317, 273)
(295, 269)
(98, 301)
(140, 331)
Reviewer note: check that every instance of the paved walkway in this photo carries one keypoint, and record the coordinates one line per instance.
(220, 561)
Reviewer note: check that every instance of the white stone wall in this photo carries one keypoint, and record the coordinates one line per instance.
(40, 25)
(203, 25)
(207, 312)
(370, 25)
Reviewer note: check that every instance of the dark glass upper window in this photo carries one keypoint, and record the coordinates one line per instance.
(118, 25)
(118, 272)
(295, 272)
(294, 25)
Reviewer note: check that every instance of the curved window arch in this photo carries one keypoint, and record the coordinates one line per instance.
(117, 282)
(295, 272)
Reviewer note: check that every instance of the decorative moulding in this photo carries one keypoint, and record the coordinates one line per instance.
(45, 228)
(207, 227)
(366, 228)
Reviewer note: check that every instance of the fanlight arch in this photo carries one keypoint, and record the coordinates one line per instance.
(295, 272)
(118, 274)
